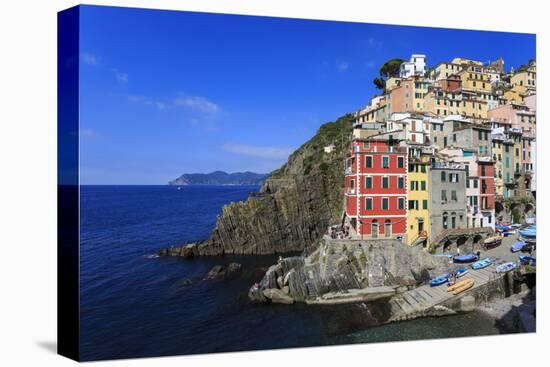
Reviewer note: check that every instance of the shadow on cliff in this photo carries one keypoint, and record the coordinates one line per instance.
(522, 318)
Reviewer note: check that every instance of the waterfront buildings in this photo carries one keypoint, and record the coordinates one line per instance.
(439, 147)
(376, 186)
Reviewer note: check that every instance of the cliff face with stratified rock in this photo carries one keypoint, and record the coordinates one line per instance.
(294, 206)
(343, 271)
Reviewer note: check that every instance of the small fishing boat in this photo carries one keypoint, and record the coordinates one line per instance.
(439, 280)
(506, 267)
(460, 285)
(508, 233)
(466, 258)
(527, 260)
(463, 286)
(460, 272)
(517, 246)
(502, 227)
(529, 232)
(492, 242)
(483, 263)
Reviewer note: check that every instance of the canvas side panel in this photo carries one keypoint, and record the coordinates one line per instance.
(68, 183)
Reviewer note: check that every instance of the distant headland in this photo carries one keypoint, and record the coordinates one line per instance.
(220, 178)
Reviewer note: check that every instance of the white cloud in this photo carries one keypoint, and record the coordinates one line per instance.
(89, 58)
(374, 43)
(198, 103)
(147, 101)
(269, 152)
(120, 76)
(343, 66)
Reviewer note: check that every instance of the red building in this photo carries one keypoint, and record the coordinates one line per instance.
(376, 187)
(486, 174)
(451, 84)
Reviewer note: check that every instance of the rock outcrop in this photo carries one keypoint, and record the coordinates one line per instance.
(294, 206)
(219, 271)
(341, 271)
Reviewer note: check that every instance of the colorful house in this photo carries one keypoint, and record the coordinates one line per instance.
(418, 196)
(376, 187)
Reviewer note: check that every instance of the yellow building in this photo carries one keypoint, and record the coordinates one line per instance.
(443, 70)
(464, 61)
(526, 81)
(474, 78)
(393, 82)
(418, 218)
(513, 95)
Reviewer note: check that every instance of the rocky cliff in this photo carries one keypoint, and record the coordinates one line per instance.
(340, 271)
(294, 206)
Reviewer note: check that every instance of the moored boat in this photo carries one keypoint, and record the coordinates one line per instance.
(506, 267)
(460, 272)
(466, 258)
(459, 285)
(527, 260)
(517, 246)
(492, 242)
(529, 232)
(468, 283)
(439, 280)
(483, 263)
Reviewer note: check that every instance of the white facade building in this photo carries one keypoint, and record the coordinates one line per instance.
(416, 65)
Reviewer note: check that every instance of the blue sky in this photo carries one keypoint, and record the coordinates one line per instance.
(165, 92)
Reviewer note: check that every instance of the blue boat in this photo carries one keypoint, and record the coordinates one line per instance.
(460, 271)
(506, 267)
(466, 258)
(517, 246)
(527, 260)
(483, 263)
(529, 232)
(439, 280)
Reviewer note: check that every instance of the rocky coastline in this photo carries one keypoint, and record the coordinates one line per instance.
(293, 208)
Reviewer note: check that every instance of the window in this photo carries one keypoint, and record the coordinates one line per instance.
(366, 145)
(411, 204)
(423, 185)
(445, 219)
(443, 176)
(412, 186)
(385, 161)
(401, 182)
(475, 183)
(453, 195)
(400, 162)
(423, 168)
(352, 185)
(368, 182)
(368, 204)
(467, 183)
(368, 161)
(385, 203)
(385, 182)
(480, 135)
(453, 221)
(443, 195)
(425, 204)
(401, 203)
(454, 138)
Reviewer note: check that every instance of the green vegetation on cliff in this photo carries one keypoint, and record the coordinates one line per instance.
(295, 205)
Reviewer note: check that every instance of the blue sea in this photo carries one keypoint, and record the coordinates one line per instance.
(137, 305)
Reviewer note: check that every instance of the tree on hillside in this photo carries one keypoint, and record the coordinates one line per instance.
(389, 69)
